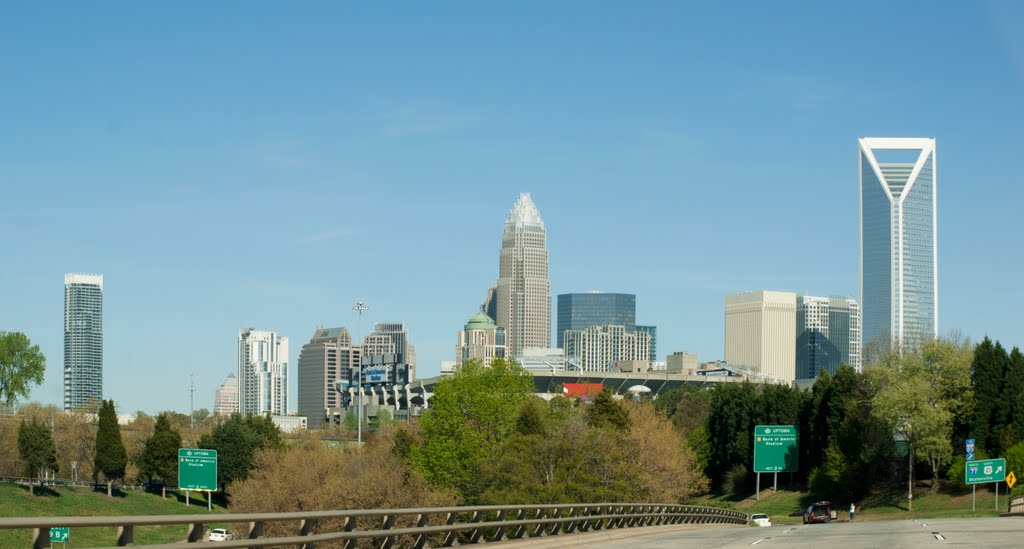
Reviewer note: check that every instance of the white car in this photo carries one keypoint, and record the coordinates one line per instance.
(760, 519)
(219, 534)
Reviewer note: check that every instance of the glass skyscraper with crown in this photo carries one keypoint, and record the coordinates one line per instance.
(898, 255)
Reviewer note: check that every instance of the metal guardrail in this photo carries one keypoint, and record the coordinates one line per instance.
(1017, 505)
(433, 527)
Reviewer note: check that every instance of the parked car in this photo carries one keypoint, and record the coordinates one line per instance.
(820, 512)
(220, 534)
(760, 519)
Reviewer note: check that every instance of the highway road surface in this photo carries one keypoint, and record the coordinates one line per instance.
(982, 532)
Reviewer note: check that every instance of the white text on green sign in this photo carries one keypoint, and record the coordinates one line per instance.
(60, 534)
(775, 448)
(197, 469)
(985, 470)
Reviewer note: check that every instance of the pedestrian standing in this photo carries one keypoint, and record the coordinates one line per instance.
(852, 509)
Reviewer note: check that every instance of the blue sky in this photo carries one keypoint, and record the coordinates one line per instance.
(261, 164)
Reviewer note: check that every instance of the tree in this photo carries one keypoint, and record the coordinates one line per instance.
(236, 441)
(314, 478)
(160, 456)
(111, 458)
(605, 411)
(35, 444)
(988, 372)
(470, 415)
(1013, 394)
(917, 394)
(21, 365)
(730, 427)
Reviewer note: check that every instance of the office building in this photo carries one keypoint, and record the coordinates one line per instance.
(327, 358)
(652, 335)
(480, 339)
(898, 261)
(523, 289)
(225, 402)
(827, 335)
(598, 348)
(580, 311)
(262, 373)
(760, 334)
(83, 340)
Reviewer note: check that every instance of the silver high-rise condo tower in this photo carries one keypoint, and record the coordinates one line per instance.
(523, 289)
(83, 340)
(898, 252)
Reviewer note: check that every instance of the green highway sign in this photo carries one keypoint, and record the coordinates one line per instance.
(985, 470)
(62, 534)
(197, 469)
(775, 448)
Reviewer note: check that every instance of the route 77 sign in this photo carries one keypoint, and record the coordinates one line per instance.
(985, 470)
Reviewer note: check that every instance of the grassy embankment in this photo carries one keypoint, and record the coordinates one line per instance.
(16, 502)
(880, 505)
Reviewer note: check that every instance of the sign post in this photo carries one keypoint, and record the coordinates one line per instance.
(969, 450)
(984, 471)
(775, 450)
(197, 470)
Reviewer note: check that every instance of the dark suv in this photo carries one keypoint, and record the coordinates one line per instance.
(820, 512)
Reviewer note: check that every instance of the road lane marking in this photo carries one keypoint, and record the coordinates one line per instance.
(790, 530)
(759, 541)
(938, 536)
(924, 525)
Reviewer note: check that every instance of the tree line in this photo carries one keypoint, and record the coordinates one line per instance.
(906, 417)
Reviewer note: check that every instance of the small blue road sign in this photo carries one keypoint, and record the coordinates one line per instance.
(970, 457)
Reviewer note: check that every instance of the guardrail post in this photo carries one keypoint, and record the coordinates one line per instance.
(255, 530)
(539, 530)
(421, 539)
(195, 532)
(586, 525)
(125, 535)
(500, 534)
(571, 526)
(387, 524)
(350, 524)
(521, 529)
(452, 536)
(306, 528)
(474, 536)
(40, 538)
(557, 527)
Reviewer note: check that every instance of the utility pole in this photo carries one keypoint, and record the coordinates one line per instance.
(360, 307)
(191, 401)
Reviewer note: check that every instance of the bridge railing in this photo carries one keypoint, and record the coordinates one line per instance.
(387, 528)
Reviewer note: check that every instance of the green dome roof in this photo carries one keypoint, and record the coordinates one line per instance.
(480, 321)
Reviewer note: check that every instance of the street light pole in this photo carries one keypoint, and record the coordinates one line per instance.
(360, 307)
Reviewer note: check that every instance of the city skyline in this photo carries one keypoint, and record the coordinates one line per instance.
(670, 158)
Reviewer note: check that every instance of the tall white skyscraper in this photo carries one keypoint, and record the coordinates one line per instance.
(262, 372)
(83, 340)
(760, 333)
(898, 250)
(523, 289)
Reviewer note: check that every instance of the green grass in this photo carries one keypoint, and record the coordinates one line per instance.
(16, 502)
(881, 505)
